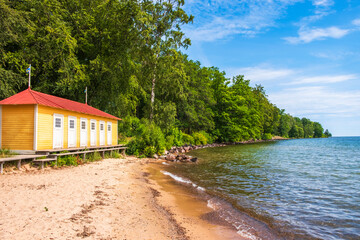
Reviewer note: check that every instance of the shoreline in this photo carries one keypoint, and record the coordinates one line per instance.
(108, 199)
(191, 209)
(218, 211)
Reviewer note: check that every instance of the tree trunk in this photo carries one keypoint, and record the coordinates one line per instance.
(152, 97)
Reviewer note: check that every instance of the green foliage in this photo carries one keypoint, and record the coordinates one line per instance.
(129, 126)
(199, 138)
(327, 133)
(115, 154)
(177, 136)
(4, 152)
(149, 151)
(92, 157)
(209, 138)
(188, 139)
(169, 141)
(267, 136)
(148, 135)
(318, 130)
(68, 160)
(129, 55)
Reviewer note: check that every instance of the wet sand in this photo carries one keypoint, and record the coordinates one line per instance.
(109, 199)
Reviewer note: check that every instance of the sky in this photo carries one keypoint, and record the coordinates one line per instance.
(306, 53)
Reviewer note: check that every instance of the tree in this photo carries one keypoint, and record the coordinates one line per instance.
(318, 130)
(308, 127)
(14, 28)
(126, 53)
(286, 122)
(195, 110)
(160, 32)
(327, 133)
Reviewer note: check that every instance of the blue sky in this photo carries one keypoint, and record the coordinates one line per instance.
(306, 53)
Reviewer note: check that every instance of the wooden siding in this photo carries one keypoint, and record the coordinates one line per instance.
(114, 133)
(0, 125)
(17, 127)
(45, 127)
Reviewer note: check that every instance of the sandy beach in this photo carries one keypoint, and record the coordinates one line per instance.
(109, 199)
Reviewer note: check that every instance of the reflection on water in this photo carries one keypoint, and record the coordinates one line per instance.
(304, 189)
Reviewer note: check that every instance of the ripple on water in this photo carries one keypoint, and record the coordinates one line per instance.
(304, 189)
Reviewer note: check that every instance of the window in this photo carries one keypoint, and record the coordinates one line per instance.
(83, 125)
(101, 127)
(58, 122)
(92, 126)
(109, 127)
(72, 124)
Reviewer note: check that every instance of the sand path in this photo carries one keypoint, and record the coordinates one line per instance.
(109, 199)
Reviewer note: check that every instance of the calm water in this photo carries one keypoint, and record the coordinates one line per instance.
(301, 189)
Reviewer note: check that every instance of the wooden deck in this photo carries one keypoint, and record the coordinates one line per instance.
(48, 151)
(18, 158)
(54, 153)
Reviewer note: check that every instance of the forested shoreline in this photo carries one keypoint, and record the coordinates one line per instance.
(129, 55)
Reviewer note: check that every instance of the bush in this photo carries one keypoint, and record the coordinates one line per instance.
(149, 151)
(67, 161)
(267, 136)
(129, 126)
(4, 152)
(169, 142)
(147, 135)
(115, 154)
(199, 138)
(177, 137)
(95, 156)
(187, 139)
(209, 138)
(122, 139)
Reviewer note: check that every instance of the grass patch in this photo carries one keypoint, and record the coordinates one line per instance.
(4, 152)
(115, 154)
(66, 161)
(92, 157)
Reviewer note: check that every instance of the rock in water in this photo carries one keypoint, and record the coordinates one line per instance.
(170, 157)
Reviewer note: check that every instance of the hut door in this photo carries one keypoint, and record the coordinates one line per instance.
(83, 132)
(102, 133)
(72, 132)
(92, 132)
(109, 134)
(58, 136)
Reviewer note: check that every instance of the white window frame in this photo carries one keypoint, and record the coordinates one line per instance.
(105, 140)
(107, 133)
(86, 128)
(62, 128)
(93, 121)
(75, 128)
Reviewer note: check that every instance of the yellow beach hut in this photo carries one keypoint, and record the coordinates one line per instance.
(31, 121)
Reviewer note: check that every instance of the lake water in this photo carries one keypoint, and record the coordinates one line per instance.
(299, 189)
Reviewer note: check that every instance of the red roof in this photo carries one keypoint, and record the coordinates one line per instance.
(29, 96)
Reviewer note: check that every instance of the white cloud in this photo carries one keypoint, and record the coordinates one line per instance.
(260, 74)
(323, 3)
(307, 101)
(356, 22)
(219, 19)
(309, 35)
(334, 55)
(325, 79)
(286, 76)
